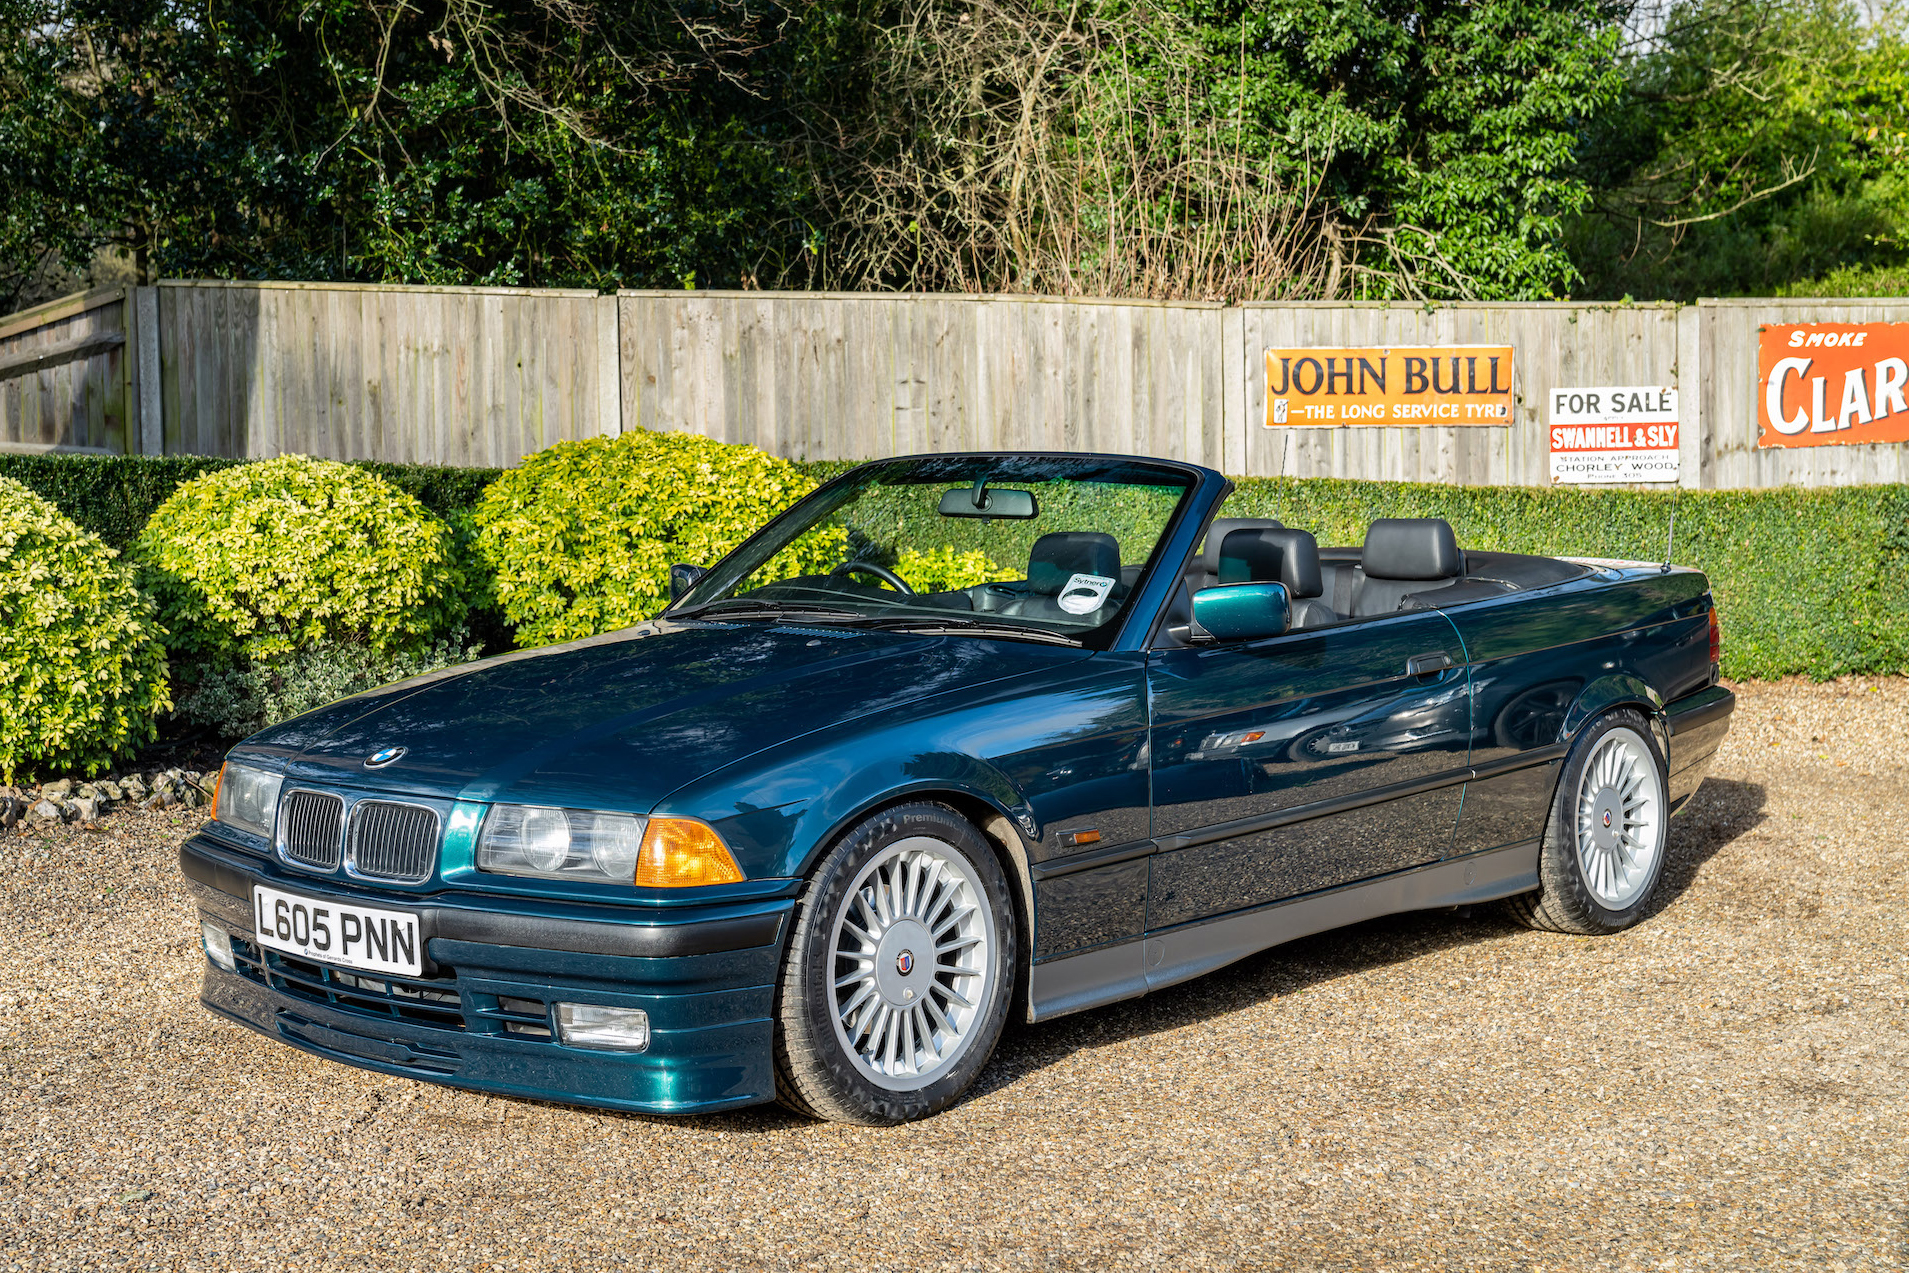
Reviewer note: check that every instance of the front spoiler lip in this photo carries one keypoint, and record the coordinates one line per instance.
(727, 928)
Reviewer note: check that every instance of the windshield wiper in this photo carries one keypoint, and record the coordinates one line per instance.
(940, 626)
(744, 608)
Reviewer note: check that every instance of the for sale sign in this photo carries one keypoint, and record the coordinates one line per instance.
(1825, 384)
(1399, 387)
(1614, 433)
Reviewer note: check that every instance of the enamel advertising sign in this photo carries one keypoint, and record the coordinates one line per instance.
(1828, 384)
(1614, 433)
(1400, 386)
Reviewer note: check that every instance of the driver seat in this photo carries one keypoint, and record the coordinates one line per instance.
(1055, 559)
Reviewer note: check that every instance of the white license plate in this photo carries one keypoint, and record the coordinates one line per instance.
(353, 936)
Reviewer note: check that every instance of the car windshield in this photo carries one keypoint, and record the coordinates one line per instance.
(1042, 548)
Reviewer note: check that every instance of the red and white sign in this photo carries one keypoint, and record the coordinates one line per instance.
(1614, 433)
(1829, 383)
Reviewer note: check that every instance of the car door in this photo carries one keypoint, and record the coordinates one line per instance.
(1305, 761)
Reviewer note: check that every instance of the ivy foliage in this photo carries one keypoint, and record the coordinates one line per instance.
(580, 538)
(257, 560)
(83, 674)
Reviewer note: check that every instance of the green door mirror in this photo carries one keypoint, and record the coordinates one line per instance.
(1241, 612)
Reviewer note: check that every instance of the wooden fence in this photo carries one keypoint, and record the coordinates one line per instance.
(487, 375)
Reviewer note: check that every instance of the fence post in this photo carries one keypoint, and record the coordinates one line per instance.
(143, 313)
(609, 366)
(1691, 419)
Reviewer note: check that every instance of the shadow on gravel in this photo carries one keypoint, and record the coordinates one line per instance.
(1718, 813)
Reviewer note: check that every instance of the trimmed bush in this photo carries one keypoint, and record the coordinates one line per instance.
(260, 559)
(580, 539)
(83, 672)
(944, 570)
(115, 495)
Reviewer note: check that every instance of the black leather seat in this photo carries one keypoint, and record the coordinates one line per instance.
(1402, 556)
(1057, 558)
(1280, 555)
(1205, 568)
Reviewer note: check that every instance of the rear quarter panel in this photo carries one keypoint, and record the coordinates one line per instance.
(1547, 661)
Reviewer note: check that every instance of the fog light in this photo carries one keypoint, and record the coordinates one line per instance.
(218, 946)
(591, 1025)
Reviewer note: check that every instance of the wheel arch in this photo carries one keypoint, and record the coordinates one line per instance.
(988, 816)
(1608, 693)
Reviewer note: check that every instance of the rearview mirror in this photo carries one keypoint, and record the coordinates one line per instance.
(985, 501)
(682, 578)
(1242, 612)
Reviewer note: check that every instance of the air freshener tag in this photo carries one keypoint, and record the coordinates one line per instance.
(1084, 594)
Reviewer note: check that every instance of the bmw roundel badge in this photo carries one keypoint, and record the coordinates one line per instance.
(379, 759)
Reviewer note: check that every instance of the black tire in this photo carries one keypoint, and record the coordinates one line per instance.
(817, 1073)
(1567, 900)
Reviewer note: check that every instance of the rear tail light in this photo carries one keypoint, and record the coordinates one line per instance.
(1716, 637)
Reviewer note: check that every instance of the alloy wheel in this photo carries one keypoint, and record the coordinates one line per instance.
(915, 954)
(1620, 819)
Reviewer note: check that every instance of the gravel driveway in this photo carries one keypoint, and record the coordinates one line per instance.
(1721, 1087)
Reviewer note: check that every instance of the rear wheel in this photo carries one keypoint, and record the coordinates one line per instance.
(1604, 844)
(899, 971)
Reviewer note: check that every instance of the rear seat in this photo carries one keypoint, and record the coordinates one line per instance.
(1403, 556)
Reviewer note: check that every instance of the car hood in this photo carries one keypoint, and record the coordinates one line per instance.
(620, 721)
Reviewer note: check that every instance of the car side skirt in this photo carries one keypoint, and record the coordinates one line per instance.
(1107, 974)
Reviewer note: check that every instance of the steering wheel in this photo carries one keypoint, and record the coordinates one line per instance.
(882, 573)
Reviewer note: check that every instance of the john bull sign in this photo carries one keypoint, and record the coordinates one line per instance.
(1401, 386)
(1613, 433)
(1824, 384)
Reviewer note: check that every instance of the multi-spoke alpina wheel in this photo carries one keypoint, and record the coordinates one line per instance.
(1604, 846)
(898, 974)
(914, 949)
(1619, 817)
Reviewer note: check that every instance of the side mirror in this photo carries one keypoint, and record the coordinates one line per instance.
(682, 578)
(1242, 612)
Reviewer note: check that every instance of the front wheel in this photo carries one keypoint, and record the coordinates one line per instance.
(896, 984)
(1604, 843)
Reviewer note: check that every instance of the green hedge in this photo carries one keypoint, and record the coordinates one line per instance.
(1807, 581)
(114, 495)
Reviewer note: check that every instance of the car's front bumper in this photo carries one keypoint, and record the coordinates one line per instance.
(706, 977)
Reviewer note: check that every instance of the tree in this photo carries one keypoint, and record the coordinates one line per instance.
(1316, 148)
(1758, 143)
(553, 142)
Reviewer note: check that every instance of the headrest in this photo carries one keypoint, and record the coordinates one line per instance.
(1411, 548)
(1283, 556)
(1222, 527)
(1058, 557)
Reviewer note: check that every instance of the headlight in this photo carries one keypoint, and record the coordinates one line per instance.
(247, 799)
(562, 844)
(578, 844)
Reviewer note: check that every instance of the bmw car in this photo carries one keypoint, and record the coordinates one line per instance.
(954, 738)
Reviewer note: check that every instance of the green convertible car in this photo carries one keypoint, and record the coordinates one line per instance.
(953, 737)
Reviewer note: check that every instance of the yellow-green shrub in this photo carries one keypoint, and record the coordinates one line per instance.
(261, 559)
(579, 540)
(82, 666)
(944, 570)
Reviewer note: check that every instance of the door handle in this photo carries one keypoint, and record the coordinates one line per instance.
(1426, 664)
